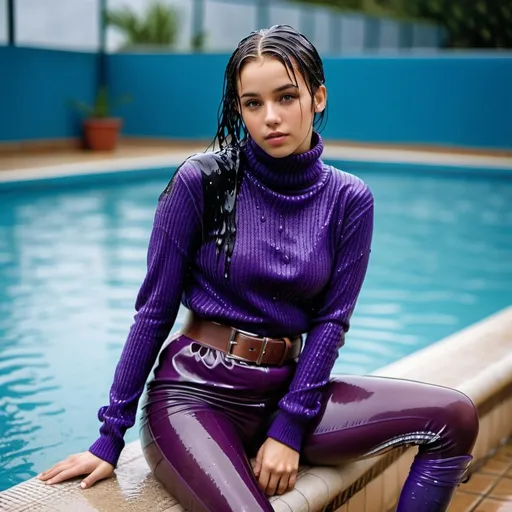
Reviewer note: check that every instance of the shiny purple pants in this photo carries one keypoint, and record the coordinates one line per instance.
(204, 415)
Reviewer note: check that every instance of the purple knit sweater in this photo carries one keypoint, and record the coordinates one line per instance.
(303, 240)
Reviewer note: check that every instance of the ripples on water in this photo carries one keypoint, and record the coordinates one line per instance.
(71, 263)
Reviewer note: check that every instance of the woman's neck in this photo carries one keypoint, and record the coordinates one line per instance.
(293, 172)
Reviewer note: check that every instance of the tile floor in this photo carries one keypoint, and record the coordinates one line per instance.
(490, 488)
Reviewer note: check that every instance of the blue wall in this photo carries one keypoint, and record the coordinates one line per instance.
(452, 100)
(172, 95)
(449, 99)
(35, 87)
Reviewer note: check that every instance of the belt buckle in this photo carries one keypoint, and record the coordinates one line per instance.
(231, 344)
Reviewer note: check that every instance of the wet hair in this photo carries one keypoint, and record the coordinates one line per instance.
(222, 171)
(283, 43)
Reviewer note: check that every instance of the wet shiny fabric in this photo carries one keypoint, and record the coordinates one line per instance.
(431, 483)
(205, 415)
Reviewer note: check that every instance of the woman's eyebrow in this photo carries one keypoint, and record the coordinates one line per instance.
(279, 89)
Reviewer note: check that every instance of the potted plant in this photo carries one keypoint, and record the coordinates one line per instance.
(101, 130)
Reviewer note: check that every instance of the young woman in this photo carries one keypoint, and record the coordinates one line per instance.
(262, 242)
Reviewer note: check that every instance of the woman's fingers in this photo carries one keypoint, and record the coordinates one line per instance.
(278, 465)
(273, 483)
(282, 486)
(65, 474)
(257, 463)
(264, 479)
(54, 470)
(292, 481)
(104, 471)
(277, 482)
(77, 465)
(256, 469)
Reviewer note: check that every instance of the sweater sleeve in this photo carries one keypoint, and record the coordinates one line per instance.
(175, 226)
(330, 322)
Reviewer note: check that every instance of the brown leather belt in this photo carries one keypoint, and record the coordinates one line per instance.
(241, 345)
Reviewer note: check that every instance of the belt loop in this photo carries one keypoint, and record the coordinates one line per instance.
(231, 345)
(231, 342)
(262, 351)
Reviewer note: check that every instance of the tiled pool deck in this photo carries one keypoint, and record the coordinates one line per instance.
(477, 361)
(490, 488)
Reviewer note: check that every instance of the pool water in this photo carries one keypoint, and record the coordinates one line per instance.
(72, 259)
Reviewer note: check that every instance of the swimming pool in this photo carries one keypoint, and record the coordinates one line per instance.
(72, 258)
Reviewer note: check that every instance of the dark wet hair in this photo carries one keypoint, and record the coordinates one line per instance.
(222, 171)
(281, 42)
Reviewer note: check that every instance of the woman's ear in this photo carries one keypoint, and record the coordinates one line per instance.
(320, 99)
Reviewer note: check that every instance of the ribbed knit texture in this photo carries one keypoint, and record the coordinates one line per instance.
(303, 241)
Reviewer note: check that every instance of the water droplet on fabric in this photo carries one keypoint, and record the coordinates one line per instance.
(286, 259)
(280, 229)
(263, 219)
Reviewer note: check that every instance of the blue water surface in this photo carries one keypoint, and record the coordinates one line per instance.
(72, 259)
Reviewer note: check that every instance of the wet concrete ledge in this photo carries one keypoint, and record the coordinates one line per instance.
(476, 360)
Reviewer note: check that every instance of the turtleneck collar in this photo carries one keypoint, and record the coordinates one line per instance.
(293, 172)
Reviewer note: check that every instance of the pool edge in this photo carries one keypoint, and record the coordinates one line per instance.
(350, 159)
(483, 371)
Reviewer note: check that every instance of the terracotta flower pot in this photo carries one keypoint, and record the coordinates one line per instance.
(101, 133)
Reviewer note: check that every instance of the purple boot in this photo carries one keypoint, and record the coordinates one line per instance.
(431, 484)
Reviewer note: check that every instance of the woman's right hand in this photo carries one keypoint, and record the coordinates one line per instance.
(84, 463)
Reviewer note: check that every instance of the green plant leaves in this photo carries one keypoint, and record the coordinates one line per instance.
(158, 26)
(102, 106)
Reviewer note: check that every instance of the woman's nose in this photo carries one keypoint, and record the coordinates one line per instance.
(271, 115)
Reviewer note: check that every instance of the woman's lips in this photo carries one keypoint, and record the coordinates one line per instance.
(276, 140)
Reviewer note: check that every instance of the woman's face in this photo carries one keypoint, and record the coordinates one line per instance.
(278, 115)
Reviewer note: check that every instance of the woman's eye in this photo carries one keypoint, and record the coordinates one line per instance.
(286, 98)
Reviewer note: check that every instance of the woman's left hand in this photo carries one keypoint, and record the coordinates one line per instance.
(276, 467)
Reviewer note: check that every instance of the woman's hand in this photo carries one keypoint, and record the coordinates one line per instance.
(276, 467)
(84, 463)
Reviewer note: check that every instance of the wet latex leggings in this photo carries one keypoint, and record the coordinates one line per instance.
(204, 415)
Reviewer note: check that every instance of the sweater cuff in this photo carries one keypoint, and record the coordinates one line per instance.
(108, 449)
(287, 430)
